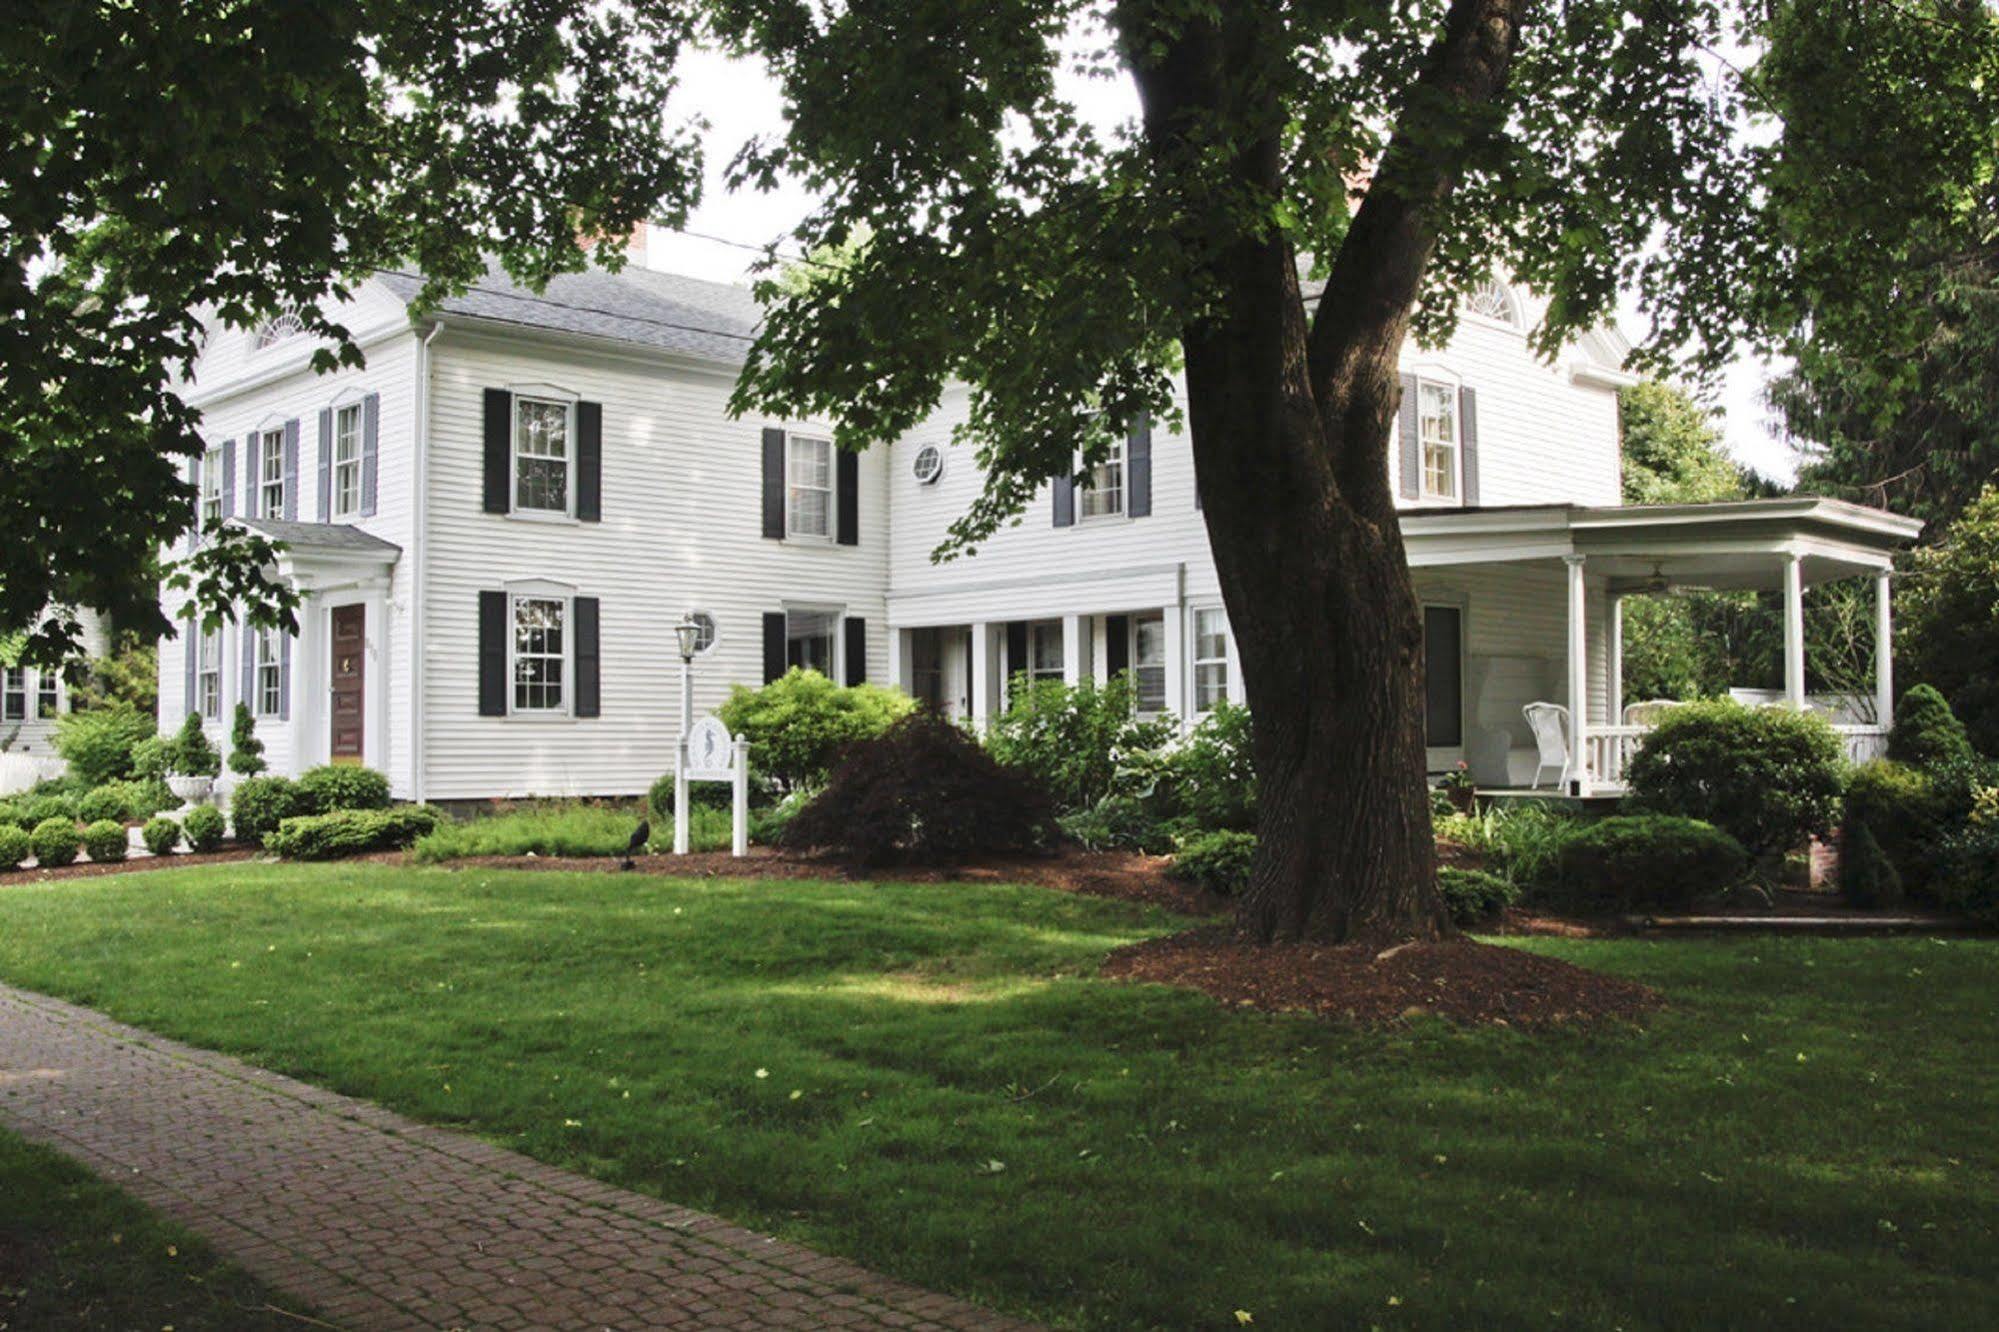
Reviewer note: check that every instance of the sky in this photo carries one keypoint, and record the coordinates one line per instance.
(724, 236)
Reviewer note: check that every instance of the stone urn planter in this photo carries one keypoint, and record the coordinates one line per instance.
(190, 790)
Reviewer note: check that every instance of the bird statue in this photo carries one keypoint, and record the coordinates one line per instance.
(640, 836)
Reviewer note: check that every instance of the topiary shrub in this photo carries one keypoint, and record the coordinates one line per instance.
(1074, 739)
(150, 758)
(190, 753)
(203, 827)
(799, 724)
(1219, 861)
(246, 751)
(98, 743)
(1648, 860)
(101, 803)
(1867, 875)
(140, 799)
(105, 841)
(1769, 777)
(923, 791)
(15, 846)
(1214, 771)
(54, 842)
(349, 832)
(335, 786)
(1905, 815)
(1926, 732)
(1474, 896)
(161, 835)
(259, 804)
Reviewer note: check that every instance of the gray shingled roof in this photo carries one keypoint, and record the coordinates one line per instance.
(711, 320)
(323, 536)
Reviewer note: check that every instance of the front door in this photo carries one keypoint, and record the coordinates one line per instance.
(350, 635)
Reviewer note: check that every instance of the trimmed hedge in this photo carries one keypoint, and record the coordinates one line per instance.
(1649, 860)
(14, 846)
(105, 842)
(1218, 861)
(259, 804)
(1867, 874)
(336, 786)
(1474, 896)
(348, 832)
(203, 827)
(1968, 872)
(1769, 777)
(54, 842)
(40, 809)
(161, 835)
(1926, 732)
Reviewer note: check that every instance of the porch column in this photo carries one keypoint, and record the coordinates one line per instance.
(1884, 652)
(1072, 650)
(1794, 630)
(982, 676)
(1614, 668)
(1173, 622)
(1578, 774)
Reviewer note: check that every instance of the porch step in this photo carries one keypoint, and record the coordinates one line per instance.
(1904, 923)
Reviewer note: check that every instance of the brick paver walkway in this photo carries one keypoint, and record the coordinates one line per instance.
(381, 1222)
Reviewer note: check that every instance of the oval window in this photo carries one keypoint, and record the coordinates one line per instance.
(929, 464)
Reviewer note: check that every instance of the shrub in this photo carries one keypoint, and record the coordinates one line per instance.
(113, 800)
(1214, 771)
(246, 751)
(1867, 875)
(54, 842)
(1926, 732)
(1474, 895)
(767, 826)
(189, 753)
(348, 832)
(1968, 873)
(714, 795)
(105, 841)
(1948, 626)
(1904, 815)
(1219, 861)
(1074, 739)
(543, 830)
(14, 846)
(259, 804)
(337, 786)
(1122, 823)
(42, 809)
(1522, 840)
(923, 791)
(161, 835)
(98, 744)
(151, 757)
(141, 799)
(1769, 777)
(1649, 860)
(799, 724)
(203, 827)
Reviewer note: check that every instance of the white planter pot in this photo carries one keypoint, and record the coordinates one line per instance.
(190, 790)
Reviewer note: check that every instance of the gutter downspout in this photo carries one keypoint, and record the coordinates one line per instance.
(419, 528)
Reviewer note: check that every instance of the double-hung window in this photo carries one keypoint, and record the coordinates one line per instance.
(540, 654)
(270, 456)
(808, 505)
(211, 489)
(809, 640)
(1211, 658)
(1437, 412)
(14, 694)
(270, 674)
(542, 456)
(1104, 495)
(1148, 662)
(346, 478)
(208, 675)
(48, 694)
(1044, 651)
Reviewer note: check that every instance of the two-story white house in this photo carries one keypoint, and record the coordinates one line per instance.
(498, 522)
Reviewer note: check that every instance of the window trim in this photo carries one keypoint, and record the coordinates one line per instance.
(1195, 660)
(836, 655)
(1037, 632)
(1424, 492)
(211, 490)
(548, 398)
(356, 407)
(714, 629)
(270, 443)
(830, 489)
(207, 673)
(1120, 458)
(1137, 666)
(567, 600)
(13, 686)
(49, 692)
(1514, 322)
(268, 641)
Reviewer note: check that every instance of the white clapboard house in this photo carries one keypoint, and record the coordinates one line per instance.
(498, 522)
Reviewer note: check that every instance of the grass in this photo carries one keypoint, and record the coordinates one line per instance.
(76, 1253)
(567, 830)
(930, 1079)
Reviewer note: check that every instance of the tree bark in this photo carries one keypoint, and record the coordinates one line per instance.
(1291, 425)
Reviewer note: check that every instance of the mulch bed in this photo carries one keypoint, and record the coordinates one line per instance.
(1461, 981)
(90, 869)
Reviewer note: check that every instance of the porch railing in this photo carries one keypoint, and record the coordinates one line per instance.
(1609, 749)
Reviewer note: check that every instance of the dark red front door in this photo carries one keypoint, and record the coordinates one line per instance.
(350, 637)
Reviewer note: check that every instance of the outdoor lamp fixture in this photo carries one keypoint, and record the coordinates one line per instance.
(688, 631)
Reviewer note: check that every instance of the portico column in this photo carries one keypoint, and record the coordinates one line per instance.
(1884, 652)
(1578, 774)
(1072, 650)
(1794, 630)
(1614, 713)
(982, 676)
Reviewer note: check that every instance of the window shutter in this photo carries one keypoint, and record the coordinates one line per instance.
(326, 464)
(499, 439)
(1468, 443)
(856, 647)
(773, 483)
(248, 633)
(588, 696)
(590, 462)
(371, 448)
(1016, 650)
(291, 470)
(190, 631)
(284, 677)
(1412, 442)
(1117, 645)
(194, 532)
(492, 654)
(847, 494)
(253, 471)
(1138, 469)
(229, 478)
(773, 642)
(1065, 501)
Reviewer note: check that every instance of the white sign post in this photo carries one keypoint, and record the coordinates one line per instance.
(708, 753)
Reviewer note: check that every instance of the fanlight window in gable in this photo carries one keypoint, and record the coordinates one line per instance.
(279, 327)
(1494, 301)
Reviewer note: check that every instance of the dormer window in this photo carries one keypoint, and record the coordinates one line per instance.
(286, 324)
(1492, 300)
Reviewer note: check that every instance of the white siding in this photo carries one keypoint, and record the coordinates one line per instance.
(35, 735)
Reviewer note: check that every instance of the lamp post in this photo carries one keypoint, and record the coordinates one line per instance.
(688, 634)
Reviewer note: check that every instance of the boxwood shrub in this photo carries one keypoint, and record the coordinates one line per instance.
(348, 832)
(14, 846)
(1474, 896)
(1218, 861)
(1648, 860)
(1926, 732)
(40, 809)
(104, 841)
(259, 804)
(161, 835)
(334, 786)
(204, 828)
(1769, 777)
(54, 841)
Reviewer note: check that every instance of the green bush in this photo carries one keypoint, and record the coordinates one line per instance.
(100, 803)
(41, 809)
(337, 786)
(1867, 875)
(799, 723)
(1122, 823)
(151, 757)
(1926, 733)
(141, 798)
(1473, 895)
(713, 795)
(161, 835)
(1947, 630)
(1905, 815)
(545, 830)
(14, 846)
(105, 841)
(349, 832)
(54, 842)
(1521, 840)
(246, 751)
(1769, 777)
(99, 743)
(1218, 861)
(204, 828)
(1214, 771)
(768, 826)
(190, 753)
(1074, 739)
(1648, 860)
(1968, 872)
(259, 804)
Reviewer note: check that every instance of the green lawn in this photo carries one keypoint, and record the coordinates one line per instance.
(77, 1254)
(931, 1080)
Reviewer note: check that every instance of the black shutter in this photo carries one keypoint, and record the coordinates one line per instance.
(590, 463)
(774, 484)
(492, 654)
(773, 644)
(1412, 442)
(1117, 645)
(326, 464)
(1138, 469)
(1468, 442)
(371, 452)
(857, 648)
(1443, 677)
(499, 450)
(1016, 651)
(847, 491)
(1065, 501)
(583, 611)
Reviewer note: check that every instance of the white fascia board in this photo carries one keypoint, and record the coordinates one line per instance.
(1109, 592)
(475, 328)
(213, 395)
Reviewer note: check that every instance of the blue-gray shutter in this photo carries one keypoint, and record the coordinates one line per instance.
(253, 471)
(248, 633)
(1412, 442)
(228, 478)
(1468, 442)
(492, 654)
(285, 678)
(590, 463)
(774, 642)
(189, 630)
(589, 657)
(326, 464)
(499, 447)
(856, 648)
(371, 448)
(1065, 501)
(291, 470)
(1138, 469)
(194, 478)
(773, 484)
(847, 496)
